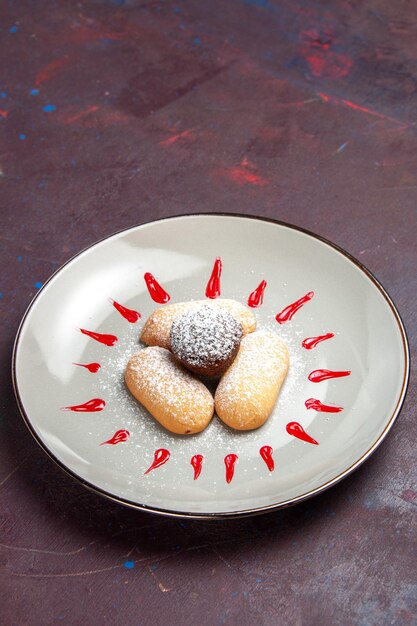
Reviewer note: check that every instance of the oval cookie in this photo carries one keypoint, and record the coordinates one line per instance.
(246, 395)
(173, 396)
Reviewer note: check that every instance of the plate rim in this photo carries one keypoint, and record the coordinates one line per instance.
(244, 512)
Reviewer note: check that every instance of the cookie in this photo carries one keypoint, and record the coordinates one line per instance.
(206, 339)
(172, 395)
(157, 329)
(247, 392)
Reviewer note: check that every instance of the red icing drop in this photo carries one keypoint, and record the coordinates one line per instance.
(160, 457)
(296, 430)
(213, 285)
(311, 342)
(197, 463)
(91, 367)
(92, 406)
(230, 461)
(318, 375)
(316, 405)
(257, 297)
(287, 314)
(108, 340)
(266, 454)
(129, 314)
(118, 437)
(157, 293)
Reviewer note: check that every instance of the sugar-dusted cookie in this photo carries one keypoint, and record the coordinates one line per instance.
(247, 392)
(157, 329)
(171, 394)
(206, 339)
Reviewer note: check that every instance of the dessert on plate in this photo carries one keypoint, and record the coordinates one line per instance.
(190, 343)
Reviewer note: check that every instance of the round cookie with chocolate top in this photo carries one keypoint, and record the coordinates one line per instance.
(206, 340)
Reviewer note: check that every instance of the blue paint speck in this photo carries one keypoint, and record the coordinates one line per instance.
(106, 40)
(38, 284)
(197, 41)
(13, 29)
(371, 501)
(34, 92)
(1, 295)
(129, 564)
(22, 136)
(177, 10)
(20, 258)
(3, 94)
(258, 3)
(342, 147)
(49, 107)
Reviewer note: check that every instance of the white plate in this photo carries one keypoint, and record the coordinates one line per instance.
(369, 341)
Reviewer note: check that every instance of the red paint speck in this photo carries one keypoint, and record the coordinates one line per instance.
(323, 60)
(70, 119)
(175, 138)
(95, 117)
(358, 107)
(409, 495)
(243, 176)
(50, 70)
(333, 66)
(4, 113)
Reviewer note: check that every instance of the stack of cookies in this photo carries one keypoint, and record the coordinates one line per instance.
(190, 344)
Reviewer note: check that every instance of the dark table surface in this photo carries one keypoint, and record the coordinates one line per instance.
(113, 113)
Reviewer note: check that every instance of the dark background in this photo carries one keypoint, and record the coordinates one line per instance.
(113, 113)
